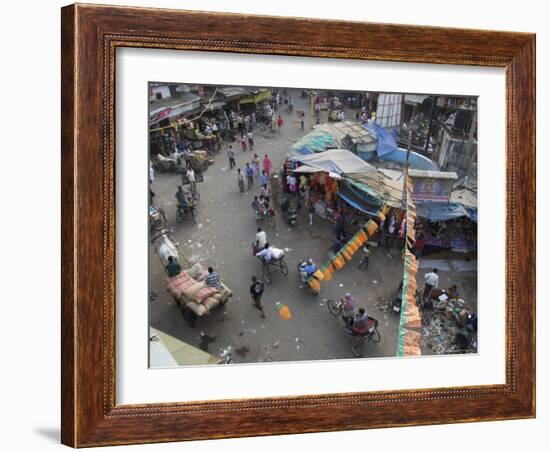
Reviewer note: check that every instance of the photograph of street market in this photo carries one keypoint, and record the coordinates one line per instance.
(290, 224)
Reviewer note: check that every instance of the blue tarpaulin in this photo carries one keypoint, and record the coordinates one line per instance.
(387, 149)
(416, 161)
(386, 141)
(439, 211)
(360, 196)
(359, 206)
(472, 213)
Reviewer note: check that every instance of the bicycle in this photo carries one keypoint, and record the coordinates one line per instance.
(357, 340)
(335, 307)
(266, 268)
(193, 194)
(183, 212)
(267, 216)
(157, 219)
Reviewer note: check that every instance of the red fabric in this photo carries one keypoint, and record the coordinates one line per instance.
(370, 324)
(177, 284)
(203, 294)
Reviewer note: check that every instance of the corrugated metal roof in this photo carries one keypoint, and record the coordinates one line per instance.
(389, 190)
(466, 197)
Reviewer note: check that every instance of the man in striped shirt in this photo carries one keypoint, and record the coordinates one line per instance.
(212, 279)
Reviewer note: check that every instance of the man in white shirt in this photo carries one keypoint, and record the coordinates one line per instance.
(191, 177)
(266, 255)
(431, 281)
(261, 239)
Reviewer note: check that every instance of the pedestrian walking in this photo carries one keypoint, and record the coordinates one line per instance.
(264, 178)
(265, 192)
(419, 246)
(273, 122)
(267, 165)
(280, 122)
(365, 261)
(191, 178)
(231, 155)
(240, 124)
(311, 211)
(249, 173)
(302, 121)
(240, 180)
(250, 138)
(256, 291)
(431, 279)
(256, 165)
(243, 143)
(187, 157)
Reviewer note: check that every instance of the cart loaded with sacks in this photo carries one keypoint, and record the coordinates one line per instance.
(194, 297)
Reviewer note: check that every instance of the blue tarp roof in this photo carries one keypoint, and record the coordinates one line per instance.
(359, 206)
(439, 211)
(387, 149)
(386, 140)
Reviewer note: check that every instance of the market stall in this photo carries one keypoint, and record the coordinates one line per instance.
(319, 174)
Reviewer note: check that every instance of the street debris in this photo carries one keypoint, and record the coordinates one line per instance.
(439, 336)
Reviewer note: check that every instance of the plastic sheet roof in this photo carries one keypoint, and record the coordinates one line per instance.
(339, 161)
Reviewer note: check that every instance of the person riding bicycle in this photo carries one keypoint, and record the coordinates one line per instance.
(348, 309)
(266, 255)
(181, 196)
(361, 322)
(264, 207)
(285, 205)
(307, 268)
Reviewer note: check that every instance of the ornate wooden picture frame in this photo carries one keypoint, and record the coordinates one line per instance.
(90, 37)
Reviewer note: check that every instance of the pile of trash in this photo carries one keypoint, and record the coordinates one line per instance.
(439, 336)
(384, 305)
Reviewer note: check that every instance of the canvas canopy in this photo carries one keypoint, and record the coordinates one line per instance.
(367, 191)
(440, 211)
(338, 161)
(335, 135)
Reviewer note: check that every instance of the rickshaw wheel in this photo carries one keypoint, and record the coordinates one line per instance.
(356, 344)
(284, 267)
(334, 308)
(375, 337)
(179, 216)
(266, 273)
(189, 317)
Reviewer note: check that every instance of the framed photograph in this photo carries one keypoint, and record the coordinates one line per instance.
(281, 225)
